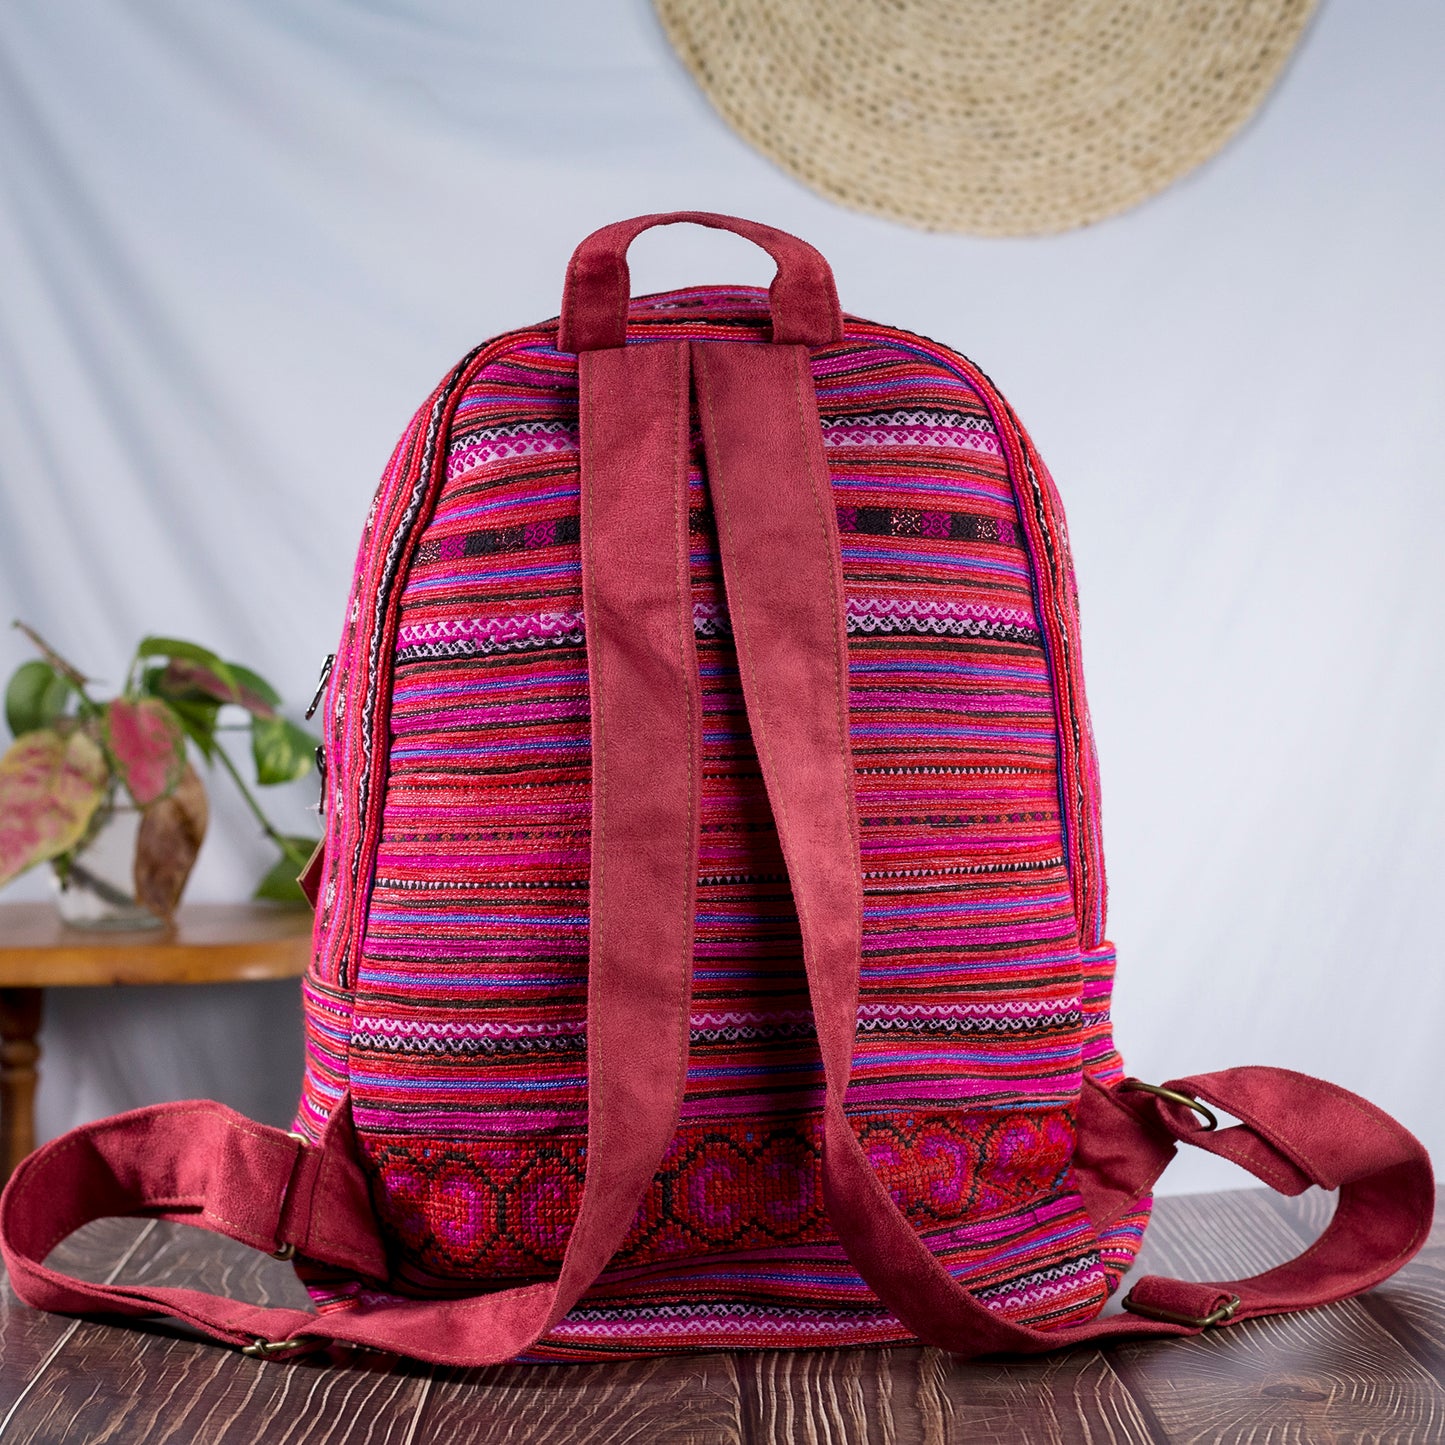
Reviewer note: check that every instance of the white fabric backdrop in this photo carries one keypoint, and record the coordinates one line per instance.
(240, 243)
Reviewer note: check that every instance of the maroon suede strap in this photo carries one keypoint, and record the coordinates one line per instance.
(782, 570)
(203, 1164)
(802, 299)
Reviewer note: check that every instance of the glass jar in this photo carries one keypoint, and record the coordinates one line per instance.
(95, 882)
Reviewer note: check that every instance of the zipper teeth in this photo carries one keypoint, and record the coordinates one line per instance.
(1049, 571)
(425, 485)
(1085, 860)
(1072, 780)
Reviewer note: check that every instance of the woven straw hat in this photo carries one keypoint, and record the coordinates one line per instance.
(999, 117)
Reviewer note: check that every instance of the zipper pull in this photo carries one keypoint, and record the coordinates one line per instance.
(321, 686)
(321, 769)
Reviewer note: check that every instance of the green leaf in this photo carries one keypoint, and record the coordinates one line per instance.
(280, 883)
(282, 751)
(50, 787)
(174, 647)
(148, 746)
(36, 696)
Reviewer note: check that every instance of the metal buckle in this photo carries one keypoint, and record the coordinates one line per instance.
(260, 1349)
(288, 1251)
(1200, 1322)
(1206, 1116)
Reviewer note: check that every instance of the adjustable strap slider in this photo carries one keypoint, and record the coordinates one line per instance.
(260, 1349)
(1200, 1306)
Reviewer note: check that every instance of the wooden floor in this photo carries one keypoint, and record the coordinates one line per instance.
(1370, 1370)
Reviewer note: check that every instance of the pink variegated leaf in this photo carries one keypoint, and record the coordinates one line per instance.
(148, 746)
(183, 676)
(50, 787)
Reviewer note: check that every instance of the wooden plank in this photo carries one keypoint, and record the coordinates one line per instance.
(1410, 1305)
(673, 1400)
(207, 943)
(29, 1337)
(147, 1383)
(1334, 1374)
(910, 1396)
(150, 1384)
(1326, 1374)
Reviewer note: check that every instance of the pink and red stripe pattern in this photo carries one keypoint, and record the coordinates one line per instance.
(449, 999)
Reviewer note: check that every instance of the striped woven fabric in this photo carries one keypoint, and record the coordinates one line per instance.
(449, 994)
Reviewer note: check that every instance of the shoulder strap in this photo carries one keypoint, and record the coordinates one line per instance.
(204, 1165)
(783, 574)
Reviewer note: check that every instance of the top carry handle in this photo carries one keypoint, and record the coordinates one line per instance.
(803, 299)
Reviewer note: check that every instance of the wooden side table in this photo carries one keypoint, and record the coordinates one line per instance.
(207, 943)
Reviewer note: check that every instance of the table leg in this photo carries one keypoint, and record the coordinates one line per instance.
(20, 1010)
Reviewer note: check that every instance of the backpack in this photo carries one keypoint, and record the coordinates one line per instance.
(710, 946)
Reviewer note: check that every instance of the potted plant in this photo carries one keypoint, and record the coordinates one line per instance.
(105, 791)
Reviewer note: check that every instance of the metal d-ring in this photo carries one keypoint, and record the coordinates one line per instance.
(1207, 1116)
(288, 1250)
